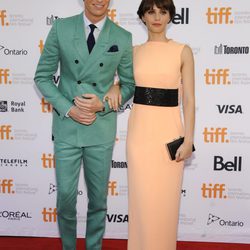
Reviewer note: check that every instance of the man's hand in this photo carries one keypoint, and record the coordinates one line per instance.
(89, 103)
(81, 116)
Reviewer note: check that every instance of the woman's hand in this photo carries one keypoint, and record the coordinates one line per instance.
(184, 151)
(114, 97)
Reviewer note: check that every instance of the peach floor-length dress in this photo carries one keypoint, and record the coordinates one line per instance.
(154, 180)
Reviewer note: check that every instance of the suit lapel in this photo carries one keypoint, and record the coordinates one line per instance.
(80, 39)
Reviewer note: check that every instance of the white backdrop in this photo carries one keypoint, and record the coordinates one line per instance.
(216, 191)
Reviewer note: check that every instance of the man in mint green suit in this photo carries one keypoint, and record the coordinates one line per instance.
(84, 127)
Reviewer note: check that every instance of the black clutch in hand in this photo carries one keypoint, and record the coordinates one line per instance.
(174, 145)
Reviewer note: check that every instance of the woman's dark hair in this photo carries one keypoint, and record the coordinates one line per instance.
(147, 5)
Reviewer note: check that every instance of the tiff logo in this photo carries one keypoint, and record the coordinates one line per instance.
(112, 15)
(215, 191)
(3, 17)
(46, 106)
(49, 215)
(6, 186)
(48, 161)
(41, 46)
(112, 188)
(4, 76)
(219, 15)
(219, 76)
(215, 135)
(5, 132)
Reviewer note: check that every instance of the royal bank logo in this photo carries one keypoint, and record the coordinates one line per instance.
(224, 49)
(14, 215)
(15, 107)
(13, 52)
(51, 19)
(182, 17)
(222, 15)
(3, 106)
(214, 219)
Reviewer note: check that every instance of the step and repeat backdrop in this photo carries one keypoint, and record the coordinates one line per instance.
(215, 198)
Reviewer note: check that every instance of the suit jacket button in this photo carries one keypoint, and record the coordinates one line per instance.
(101, 64)
(76, 61)
(94, 84)
(79, 82)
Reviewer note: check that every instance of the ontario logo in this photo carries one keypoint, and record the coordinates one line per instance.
(13, 52)
(214, 219)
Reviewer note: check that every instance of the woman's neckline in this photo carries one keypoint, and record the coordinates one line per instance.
(159, 41)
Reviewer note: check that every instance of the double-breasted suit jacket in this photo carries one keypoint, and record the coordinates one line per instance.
(80, 73)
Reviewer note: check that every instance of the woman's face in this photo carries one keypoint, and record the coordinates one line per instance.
(156, 19)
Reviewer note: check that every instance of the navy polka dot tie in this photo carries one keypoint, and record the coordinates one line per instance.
(91, 38)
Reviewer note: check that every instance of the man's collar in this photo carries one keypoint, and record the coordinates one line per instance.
(99, 24)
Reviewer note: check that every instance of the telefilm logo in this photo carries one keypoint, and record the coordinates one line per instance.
(8, 162)
(181, 17)
(13, 52)
(119, 164)
(231, 166)
(12, 106)
(223, 49)
(222, 15)
(17, 215)
(117, 218)
(215, 135)
(229, 109)
(49, 215)
(213, 191)
(223, 222)
(217, 77)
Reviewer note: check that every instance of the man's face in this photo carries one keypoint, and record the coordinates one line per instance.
(96, 10)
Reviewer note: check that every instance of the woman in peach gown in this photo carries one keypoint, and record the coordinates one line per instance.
(164, 75)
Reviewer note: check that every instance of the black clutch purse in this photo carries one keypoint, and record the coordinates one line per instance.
(174, 145)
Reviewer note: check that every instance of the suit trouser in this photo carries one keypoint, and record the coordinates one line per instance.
(96, 161)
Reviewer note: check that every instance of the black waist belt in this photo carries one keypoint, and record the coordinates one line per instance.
(156, 97)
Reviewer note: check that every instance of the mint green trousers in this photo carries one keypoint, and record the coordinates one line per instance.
(96, 165)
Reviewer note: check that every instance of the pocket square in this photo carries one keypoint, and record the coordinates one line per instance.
(113, 48)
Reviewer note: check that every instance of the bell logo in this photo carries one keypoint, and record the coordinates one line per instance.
(182, 18)
(41, 45)
(215, 191)
(6, 186)
(48, 161)
(215, 135)
(4, 76)
(234, 165)
(112, 188)
(5, 132)
(49, 215)
(46, 106)
(3, 17)
(219, 15)
(219, 76)
(112, 15)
